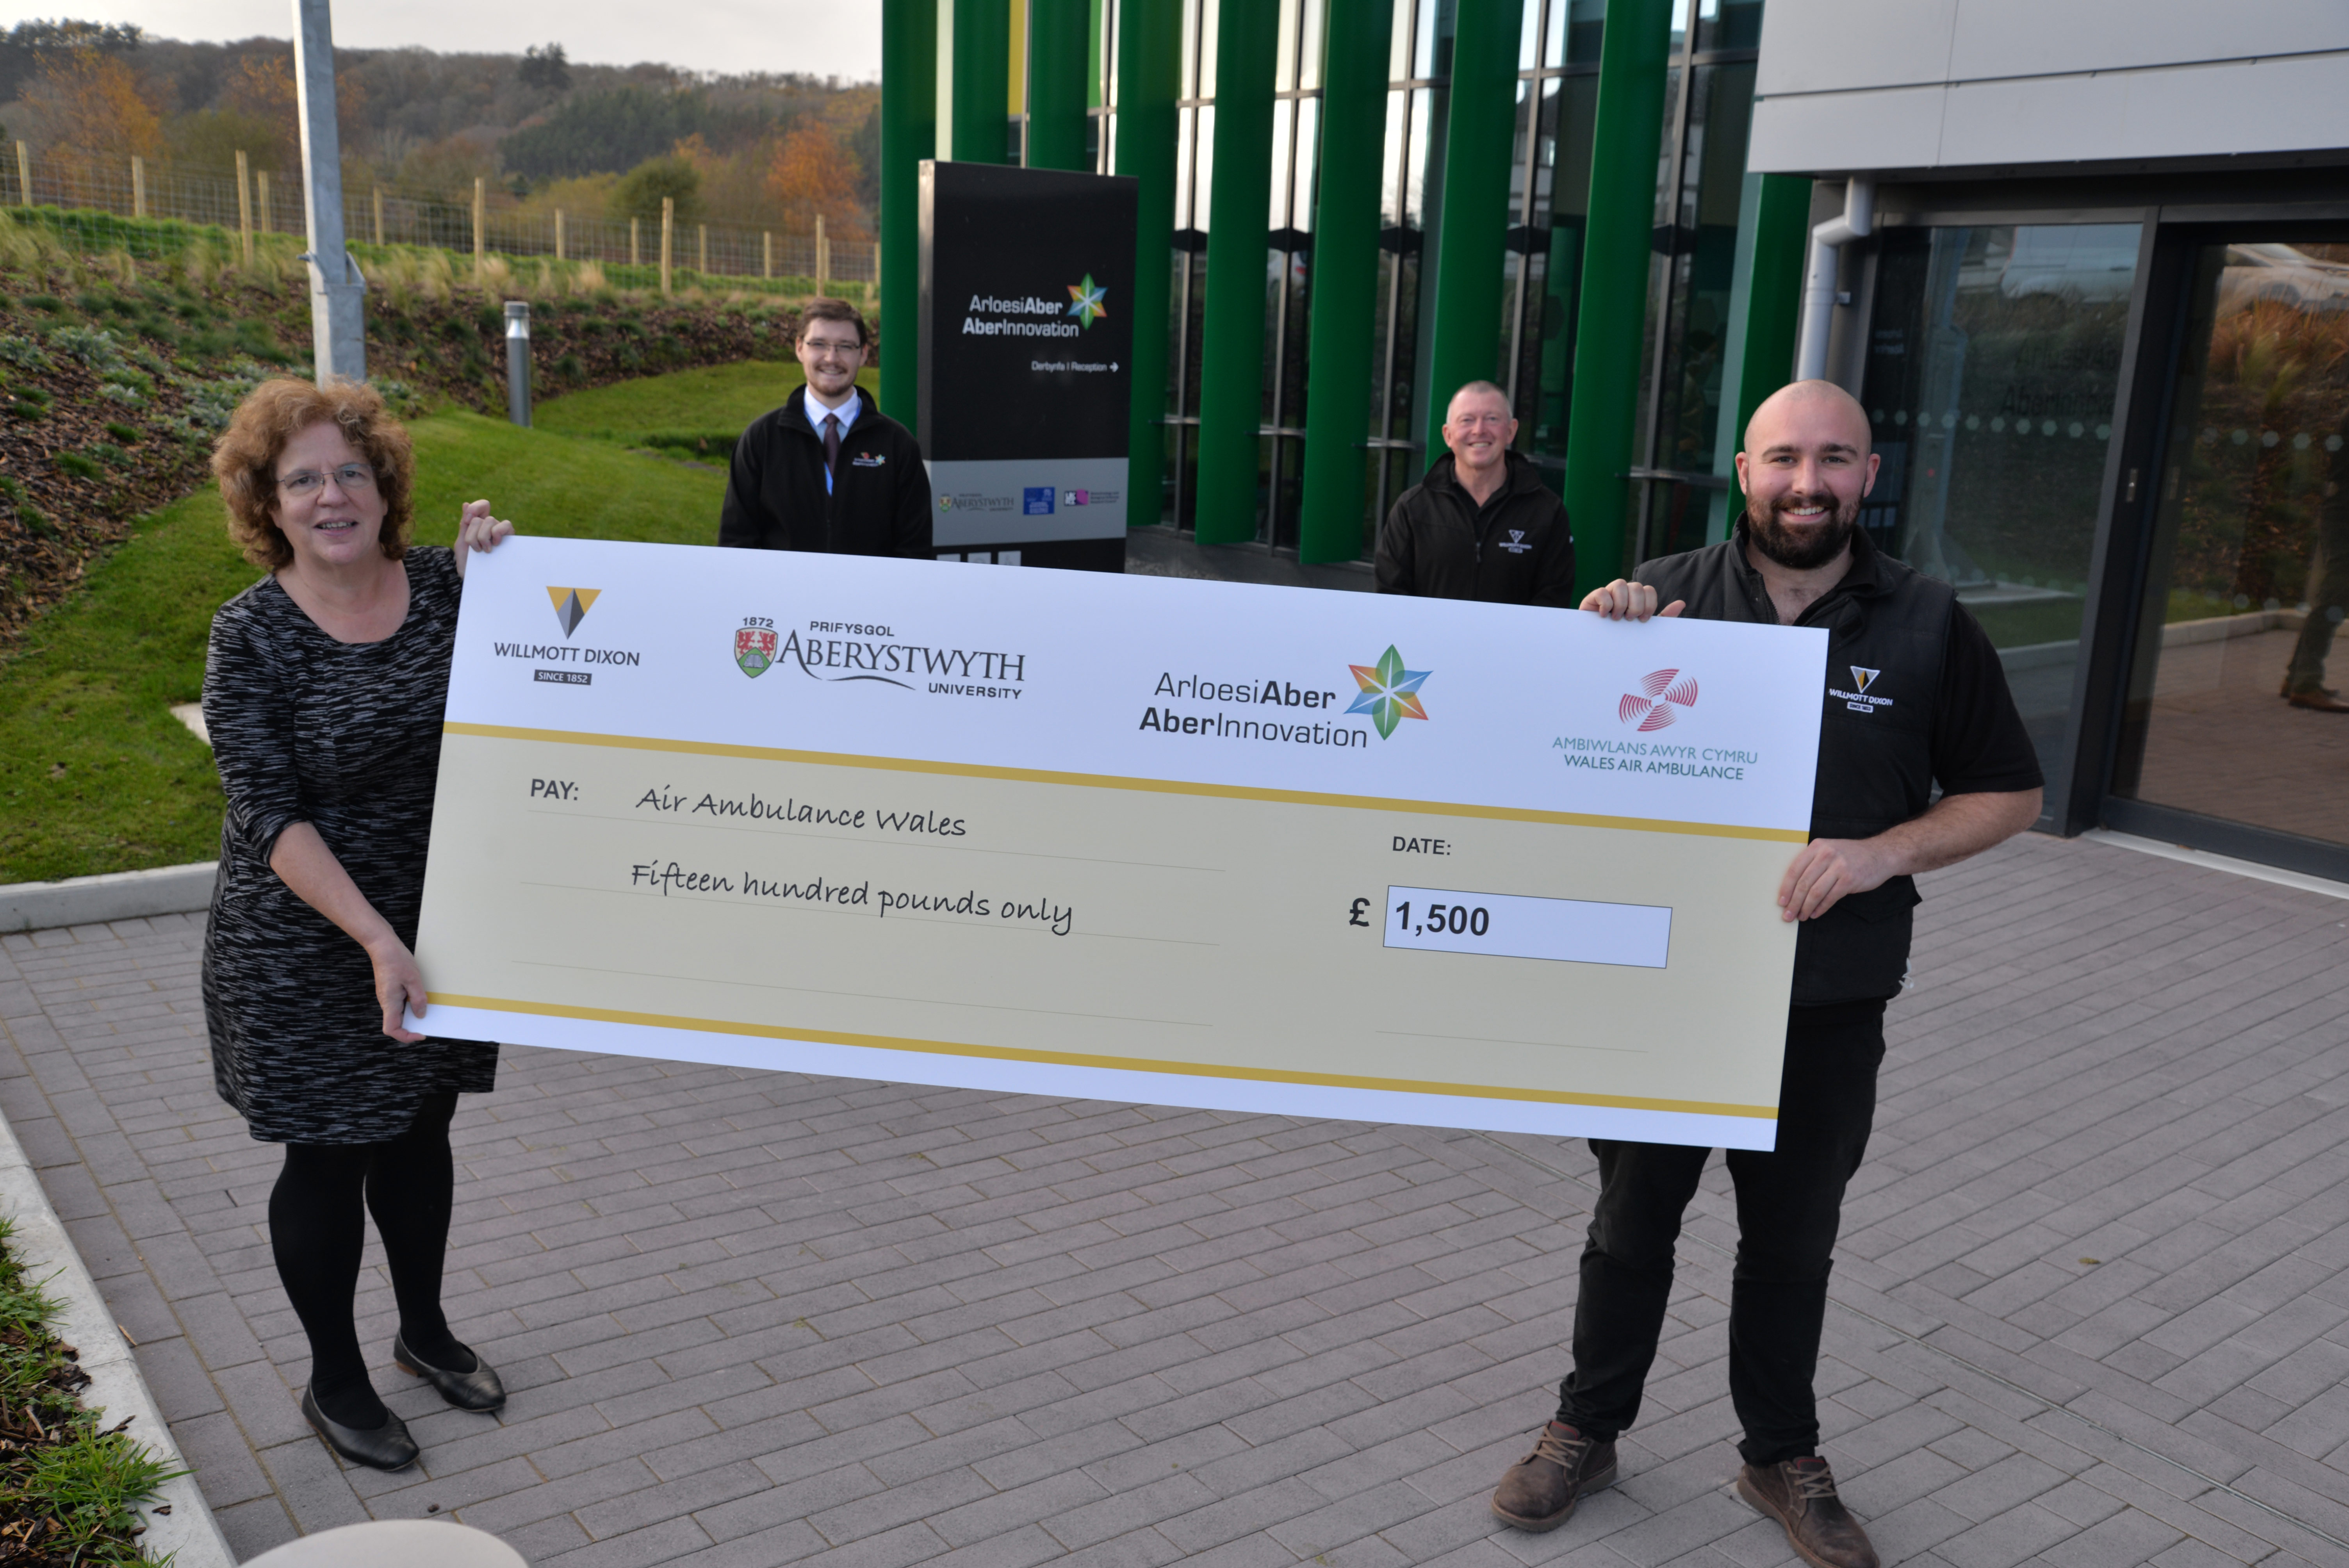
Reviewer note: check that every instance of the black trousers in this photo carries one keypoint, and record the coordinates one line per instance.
(1789, 1204)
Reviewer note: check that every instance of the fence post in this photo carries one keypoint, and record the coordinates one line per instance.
(701, 255)
(243, 203)
(767, 254)
(876, 273)
(668, 226)
(260, 203)
(822, 253)
(558, 234)
(635, 256)
(378, 214)
(23, 176)
(481, 212)
(137, 186)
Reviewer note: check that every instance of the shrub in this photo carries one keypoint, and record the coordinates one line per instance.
(23, 352)
(94, 346)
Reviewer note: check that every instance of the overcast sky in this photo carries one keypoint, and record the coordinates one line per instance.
(823, 37)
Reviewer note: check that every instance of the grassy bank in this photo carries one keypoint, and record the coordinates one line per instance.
(699, 412)
(95, 775)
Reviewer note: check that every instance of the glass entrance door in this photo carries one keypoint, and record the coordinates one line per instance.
(2238, 707)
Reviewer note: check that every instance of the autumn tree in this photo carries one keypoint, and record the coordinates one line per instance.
(814, 175)
(95, 105)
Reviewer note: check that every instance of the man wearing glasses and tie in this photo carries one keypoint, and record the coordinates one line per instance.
(828, 471)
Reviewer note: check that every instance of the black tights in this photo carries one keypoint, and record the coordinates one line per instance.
(317, 1236)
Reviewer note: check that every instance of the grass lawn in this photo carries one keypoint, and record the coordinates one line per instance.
(701, 411)
(94, 773)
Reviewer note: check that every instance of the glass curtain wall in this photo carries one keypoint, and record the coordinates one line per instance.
(1709, 110)
(2232, 711)
(1296, 93)
(1549, 204)
(1993, 371)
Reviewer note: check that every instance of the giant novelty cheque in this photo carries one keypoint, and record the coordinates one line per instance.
(1124, 838)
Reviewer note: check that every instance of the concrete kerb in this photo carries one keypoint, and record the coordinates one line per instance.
(188, 1536)
(117, 895)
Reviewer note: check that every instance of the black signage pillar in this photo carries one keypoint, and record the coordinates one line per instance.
(1027, 334)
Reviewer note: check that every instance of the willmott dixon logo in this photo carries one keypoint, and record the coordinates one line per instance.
(571, 606)
(1390, 692)
(1085, 301)
(1664, 693)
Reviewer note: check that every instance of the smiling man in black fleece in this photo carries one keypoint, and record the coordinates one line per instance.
(828, 471)
(1481, 525)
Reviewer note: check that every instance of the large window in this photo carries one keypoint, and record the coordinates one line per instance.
(1993, 367)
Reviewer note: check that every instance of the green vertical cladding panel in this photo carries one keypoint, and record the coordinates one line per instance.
(1149, 70)
(1343, 329)
(909, 108)
(1782, 233)
(1059, 39)
(1239, 229)
(1472, 238)
(1633, 56)
(974, 78)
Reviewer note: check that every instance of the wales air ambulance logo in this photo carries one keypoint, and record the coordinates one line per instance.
(754, 649)
(1390, 692)
(1085, 301)
(571, 606)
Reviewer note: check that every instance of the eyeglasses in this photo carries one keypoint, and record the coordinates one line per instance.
(349, 478)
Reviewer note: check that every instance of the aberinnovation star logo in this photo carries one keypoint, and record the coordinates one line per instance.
(1390, 692)
(1085, 301)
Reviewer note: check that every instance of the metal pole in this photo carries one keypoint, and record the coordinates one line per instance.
(337, 291)
(518, 362)
(1149, 64)
(1059, 34)
(909, 107)
(1472, 231)
(1345, 280)
(1626, 137)
(1232, 345)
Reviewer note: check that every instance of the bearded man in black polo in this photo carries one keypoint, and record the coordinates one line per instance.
(1915, 697)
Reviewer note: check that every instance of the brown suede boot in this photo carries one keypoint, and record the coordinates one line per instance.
(1801, 1495)
(1538, 1492)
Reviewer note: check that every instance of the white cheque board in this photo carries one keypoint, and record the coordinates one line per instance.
(1124, 838)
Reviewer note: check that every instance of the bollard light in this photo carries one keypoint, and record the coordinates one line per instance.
(518, 362)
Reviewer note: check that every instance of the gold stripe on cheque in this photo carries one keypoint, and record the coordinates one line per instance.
(1077, 1059)
(1111, 781)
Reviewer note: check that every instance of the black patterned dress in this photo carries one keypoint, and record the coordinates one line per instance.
(345, 737)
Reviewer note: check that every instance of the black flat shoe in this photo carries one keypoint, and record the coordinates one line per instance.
(385, 1447)
(476, 1390)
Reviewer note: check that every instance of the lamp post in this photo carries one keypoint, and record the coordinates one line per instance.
(337, 291)
(518, 362)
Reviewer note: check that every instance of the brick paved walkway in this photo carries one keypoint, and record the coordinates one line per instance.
(2092, 1305)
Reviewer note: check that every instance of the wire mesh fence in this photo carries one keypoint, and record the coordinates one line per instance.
(266, 201)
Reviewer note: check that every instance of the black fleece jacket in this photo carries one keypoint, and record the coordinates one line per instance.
(775, 499)
(1515, 549)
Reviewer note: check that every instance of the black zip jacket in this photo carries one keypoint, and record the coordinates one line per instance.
(1516, 549)
(1888, 631)
(775, 499)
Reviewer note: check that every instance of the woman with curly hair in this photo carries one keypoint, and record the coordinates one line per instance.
(323, 694)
